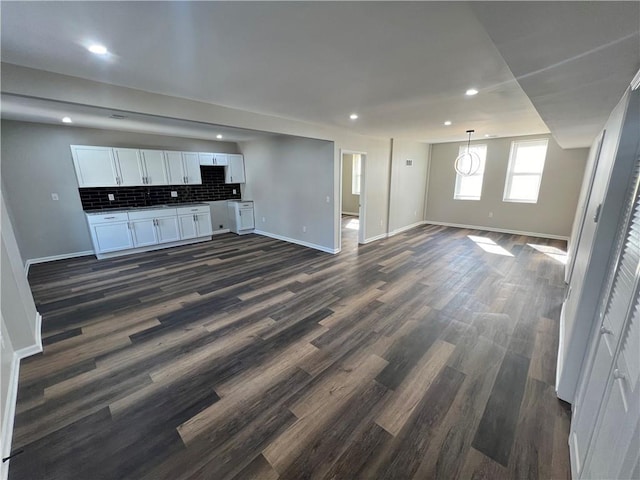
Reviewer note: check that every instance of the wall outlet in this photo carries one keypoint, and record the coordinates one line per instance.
(234, 191)
(111, 197)
(54, 196)
(304, 229)
(490, 214)
(264, 219)
(174, 194)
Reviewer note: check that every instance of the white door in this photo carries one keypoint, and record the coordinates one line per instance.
(175, 171)
(187, 226)
(168, 230)
(203, 224)
(246, 219)
(144, 232)
(154, 166)
(95, 166)
(111, 237)
(191, 168)
(129, 166)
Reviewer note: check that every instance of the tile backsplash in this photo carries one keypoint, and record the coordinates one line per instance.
(213, 188)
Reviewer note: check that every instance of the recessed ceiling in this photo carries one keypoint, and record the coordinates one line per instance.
(404, 67)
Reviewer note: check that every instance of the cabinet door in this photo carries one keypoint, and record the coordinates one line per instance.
(192, 168)
(175, 171)
(144, 232)
(246, 219)
(187, 226)
(154, 167)
(168, 230)
(203, 224)
(95, 166)
(129, 166)
(235, 170)
(220, 159)
(110, 237)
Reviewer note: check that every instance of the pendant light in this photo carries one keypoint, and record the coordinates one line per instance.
(468, 162)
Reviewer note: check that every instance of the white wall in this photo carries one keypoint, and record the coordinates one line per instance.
(290, 180)
(36, 162)
(20, 325)
(408, 184)
(552, 215)
(350, 202)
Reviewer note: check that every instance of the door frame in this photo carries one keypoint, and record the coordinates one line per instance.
(363, 207)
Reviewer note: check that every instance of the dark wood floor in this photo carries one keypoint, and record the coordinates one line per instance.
(420, 356)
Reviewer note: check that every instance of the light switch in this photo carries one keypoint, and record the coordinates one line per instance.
(174, 194)
(111, 197)
(54, 196)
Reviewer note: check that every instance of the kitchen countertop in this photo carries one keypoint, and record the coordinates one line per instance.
(153, 207)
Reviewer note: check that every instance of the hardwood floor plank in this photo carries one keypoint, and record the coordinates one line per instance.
(496, 431)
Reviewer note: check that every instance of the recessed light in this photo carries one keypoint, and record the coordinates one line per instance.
(353, 116)
(67, 120)
(218, 136)
(471, 92)
(447, 123)
(98, 49)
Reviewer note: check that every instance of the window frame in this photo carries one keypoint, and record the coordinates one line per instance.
(483, 164)
(356, 175)
(511, 174)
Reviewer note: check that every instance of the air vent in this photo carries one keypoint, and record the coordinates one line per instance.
(117, 117)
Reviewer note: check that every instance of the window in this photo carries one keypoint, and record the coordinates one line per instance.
(470, 188)
(526, 163)
(356, 174)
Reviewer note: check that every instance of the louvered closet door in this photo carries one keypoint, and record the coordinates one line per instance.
(620, 292)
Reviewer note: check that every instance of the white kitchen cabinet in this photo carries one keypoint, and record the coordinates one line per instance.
(95, 166)
(129, 166)
(234, 172)
(241, 217)
(183, 168)
(205, 159)
(194, 222)
(167, 228)
(150, 227)
(220, 159)
(110, 232)
(153, 167)
(144, 232)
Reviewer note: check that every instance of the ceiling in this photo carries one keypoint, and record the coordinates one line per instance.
(403, 67)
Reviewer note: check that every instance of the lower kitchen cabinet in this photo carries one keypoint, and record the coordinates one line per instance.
(148, 229)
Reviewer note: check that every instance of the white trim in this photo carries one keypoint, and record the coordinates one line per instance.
(12, 395)
(499, 230)
(405, 228)
(315, 246)
(635, 83)
(350, 213)
(373, 239)
(219, 232)
(63, 256)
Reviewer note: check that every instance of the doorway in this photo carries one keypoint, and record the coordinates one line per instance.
(352, 186)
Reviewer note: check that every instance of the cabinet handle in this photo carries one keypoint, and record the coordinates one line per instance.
(194, 218)
(144, 180)
(129, 225)
(185, 180)
(605, 331)
(618, 375)
(109, 218)
(117, 180)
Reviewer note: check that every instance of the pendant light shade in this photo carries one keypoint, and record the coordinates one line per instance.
(468, 162)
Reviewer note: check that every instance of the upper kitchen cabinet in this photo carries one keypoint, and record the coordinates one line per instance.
(95, 166)
(153, 167)
(234, 172)
(213, 159)
(183, 168)
(129, 166)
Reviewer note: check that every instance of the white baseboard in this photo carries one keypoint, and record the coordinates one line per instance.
(333, 251)
(499, 230)
(373, 239)
(219, 232)
(12, 395)
(64, 256)
(351, 213)
(405, 228)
